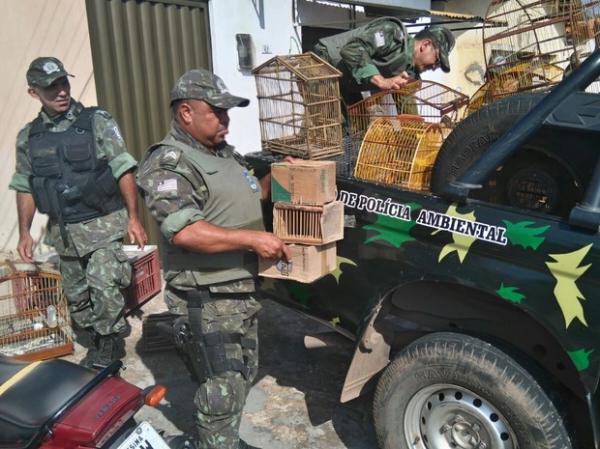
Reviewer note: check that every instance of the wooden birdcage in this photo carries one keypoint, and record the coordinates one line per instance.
(299, 106)
(309, 225)
(400, 152)
(34, 315)
(533, 44)
(433, 102)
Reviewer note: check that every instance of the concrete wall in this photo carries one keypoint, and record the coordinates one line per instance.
(28, 29)
(467, 60)
(271, 25)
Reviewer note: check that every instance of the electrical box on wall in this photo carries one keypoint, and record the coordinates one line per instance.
(244, 50)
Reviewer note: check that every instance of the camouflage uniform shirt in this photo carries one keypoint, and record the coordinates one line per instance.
(378, 48)
(87, 236)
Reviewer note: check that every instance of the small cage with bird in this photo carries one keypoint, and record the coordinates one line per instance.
(299, 106)
(34, 315)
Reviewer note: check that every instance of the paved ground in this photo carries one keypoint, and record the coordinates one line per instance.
(295, 401)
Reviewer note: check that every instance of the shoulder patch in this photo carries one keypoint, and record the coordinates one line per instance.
(169, 157)
(379, 38)
(103, 113)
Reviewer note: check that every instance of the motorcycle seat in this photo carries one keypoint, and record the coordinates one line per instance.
(32, 393)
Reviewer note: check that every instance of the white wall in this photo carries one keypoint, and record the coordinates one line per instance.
(229, 17)
(467, 60)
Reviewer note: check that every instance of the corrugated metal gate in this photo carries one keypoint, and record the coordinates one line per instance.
(139, 49)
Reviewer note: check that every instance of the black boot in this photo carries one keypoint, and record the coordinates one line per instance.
(110, 349)
(244, 445)
(92, 349)
(181, 442)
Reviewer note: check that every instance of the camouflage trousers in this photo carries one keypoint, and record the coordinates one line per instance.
(220, 399)
(93, 286)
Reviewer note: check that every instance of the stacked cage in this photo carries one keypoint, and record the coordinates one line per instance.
(307, 217)
(400, 132)
(299, 106)
(34, 315)
(533, 44)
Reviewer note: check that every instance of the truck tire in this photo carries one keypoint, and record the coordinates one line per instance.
(534, 167)
(452, 391)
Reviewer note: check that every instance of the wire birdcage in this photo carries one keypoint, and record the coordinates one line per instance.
(34, 316)
(400, 152)
(299, 106)
(584, 31)
(534, 44)
(433, 102)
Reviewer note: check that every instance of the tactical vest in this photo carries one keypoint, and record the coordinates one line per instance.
(69, 182)
(335, 43)
(233, 202)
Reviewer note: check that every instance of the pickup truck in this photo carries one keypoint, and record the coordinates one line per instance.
(475, 306)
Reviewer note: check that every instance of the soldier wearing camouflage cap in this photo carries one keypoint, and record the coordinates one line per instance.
(72, 164)
(381, 56)
(208, 206)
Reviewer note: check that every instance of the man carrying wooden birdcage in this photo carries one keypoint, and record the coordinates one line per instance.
(382, 56)
(208, 206)
(72, 164)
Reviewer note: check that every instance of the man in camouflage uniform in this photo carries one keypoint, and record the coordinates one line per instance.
(72, 164)
(208, 206)
(381, 56)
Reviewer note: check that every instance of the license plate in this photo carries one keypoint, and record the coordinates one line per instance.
(144, 437)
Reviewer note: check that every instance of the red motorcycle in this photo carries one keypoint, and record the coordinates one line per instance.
(56, 404)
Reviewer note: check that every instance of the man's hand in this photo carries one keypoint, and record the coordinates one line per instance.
(136, 232)
(395, 82)
(269, 246)
(292, 160)
(25, 247)
(203, 237)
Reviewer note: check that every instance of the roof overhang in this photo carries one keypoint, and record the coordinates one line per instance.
(405, 6)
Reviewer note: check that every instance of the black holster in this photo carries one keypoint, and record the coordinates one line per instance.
(205, 352)
(191, 345)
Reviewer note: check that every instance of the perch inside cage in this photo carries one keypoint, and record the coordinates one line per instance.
(429, 100)
(299, 106)
(532, 44)
(400, 152)
(34, 315)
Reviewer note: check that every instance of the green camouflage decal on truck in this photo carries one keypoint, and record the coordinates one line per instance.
(522, 234)
(392, 230)
(511, 294)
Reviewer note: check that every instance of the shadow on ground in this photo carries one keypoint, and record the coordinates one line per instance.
(295, 400)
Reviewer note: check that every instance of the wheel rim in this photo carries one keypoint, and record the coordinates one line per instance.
(447, 416)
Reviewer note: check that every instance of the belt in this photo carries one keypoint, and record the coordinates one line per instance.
(203, 295)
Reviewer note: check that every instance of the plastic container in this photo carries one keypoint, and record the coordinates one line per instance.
(146, 281)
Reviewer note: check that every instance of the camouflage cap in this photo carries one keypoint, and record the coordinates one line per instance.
(444, 41)
(200, 84)
(44, 71)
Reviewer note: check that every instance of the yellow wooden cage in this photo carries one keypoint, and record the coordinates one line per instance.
(299, 106)
(34, 316)
(400, 152)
